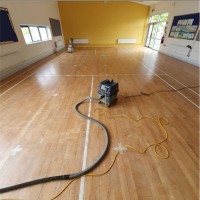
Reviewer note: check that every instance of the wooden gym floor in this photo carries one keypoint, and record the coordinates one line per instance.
(40, 134)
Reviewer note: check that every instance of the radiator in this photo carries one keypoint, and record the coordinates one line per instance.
(126, 41)
(59, 44)
(80, 41)
(179, 49)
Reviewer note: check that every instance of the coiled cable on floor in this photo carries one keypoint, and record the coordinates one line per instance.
(69, 176)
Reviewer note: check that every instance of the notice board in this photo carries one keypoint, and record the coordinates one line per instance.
(7, 32)
(185, 26)
(55, 27)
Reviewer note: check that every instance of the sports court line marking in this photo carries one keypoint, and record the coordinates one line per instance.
(91, 75)
(136, 74)
(14, 86)
(17, 76)
(178, 81)
(15, 150)
(174, 88)
(28, 70)
(23, 79)
(84, 75)
(75, 76)
(82, 184)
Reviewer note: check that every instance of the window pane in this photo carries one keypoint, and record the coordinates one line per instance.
(154, 31)
(35, 33)
(156, 44)
(43, 33)
(26, 35)
(160, 31)
(49, 33)
(163, 17)
(155, 18)
(151, 43)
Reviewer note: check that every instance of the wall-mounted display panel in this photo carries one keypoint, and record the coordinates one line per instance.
(7, 32)
(55, 27)
(185, 26)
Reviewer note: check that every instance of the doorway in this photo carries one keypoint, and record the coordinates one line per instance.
(156, 28)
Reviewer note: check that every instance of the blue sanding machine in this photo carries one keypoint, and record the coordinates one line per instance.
(108, 91)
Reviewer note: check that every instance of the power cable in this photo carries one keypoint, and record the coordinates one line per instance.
(100, 174)
(90, 168)
(160, 123)
(158, 91)
(85, 172)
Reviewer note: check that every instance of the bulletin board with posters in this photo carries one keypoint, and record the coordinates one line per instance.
(185, 26)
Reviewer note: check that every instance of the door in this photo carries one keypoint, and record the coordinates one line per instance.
(156, 30)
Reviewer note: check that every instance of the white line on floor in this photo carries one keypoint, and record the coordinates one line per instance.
(174, 88)
(90, 75)
(81, 191)
(71, 75)
(16, 77)
(14, 85)
(23, 79)
(21, 74)
(14, 151)
(179, 82)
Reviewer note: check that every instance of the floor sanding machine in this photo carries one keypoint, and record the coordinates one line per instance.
(108, 91)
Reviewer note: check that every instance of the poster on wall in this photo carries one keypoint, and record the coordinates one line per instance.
(185, 26)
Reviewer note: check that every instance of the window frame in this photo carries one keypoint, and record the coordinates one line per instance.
(46, 32)
(150, 18)
(30, 33)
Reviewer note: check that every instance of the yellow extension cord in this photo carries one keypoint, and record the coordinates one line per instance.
(100, 174)
(155, 145)
(157, 121)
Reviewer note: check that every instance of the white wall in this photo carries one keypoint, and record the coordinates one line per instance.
(15, 56)
(177, 47)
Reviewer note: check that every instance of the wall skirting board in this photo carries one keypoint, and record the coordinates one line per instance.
(188, 60)
(15, 68)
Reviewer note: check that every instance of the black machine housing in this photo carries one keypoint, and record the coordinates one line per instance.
(108, 91)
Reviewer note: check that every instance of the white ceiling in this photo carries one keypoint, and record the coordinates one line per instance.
(147, 3)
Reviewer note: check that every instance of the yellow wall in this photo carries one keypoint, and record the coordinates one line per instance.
(103, 23)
